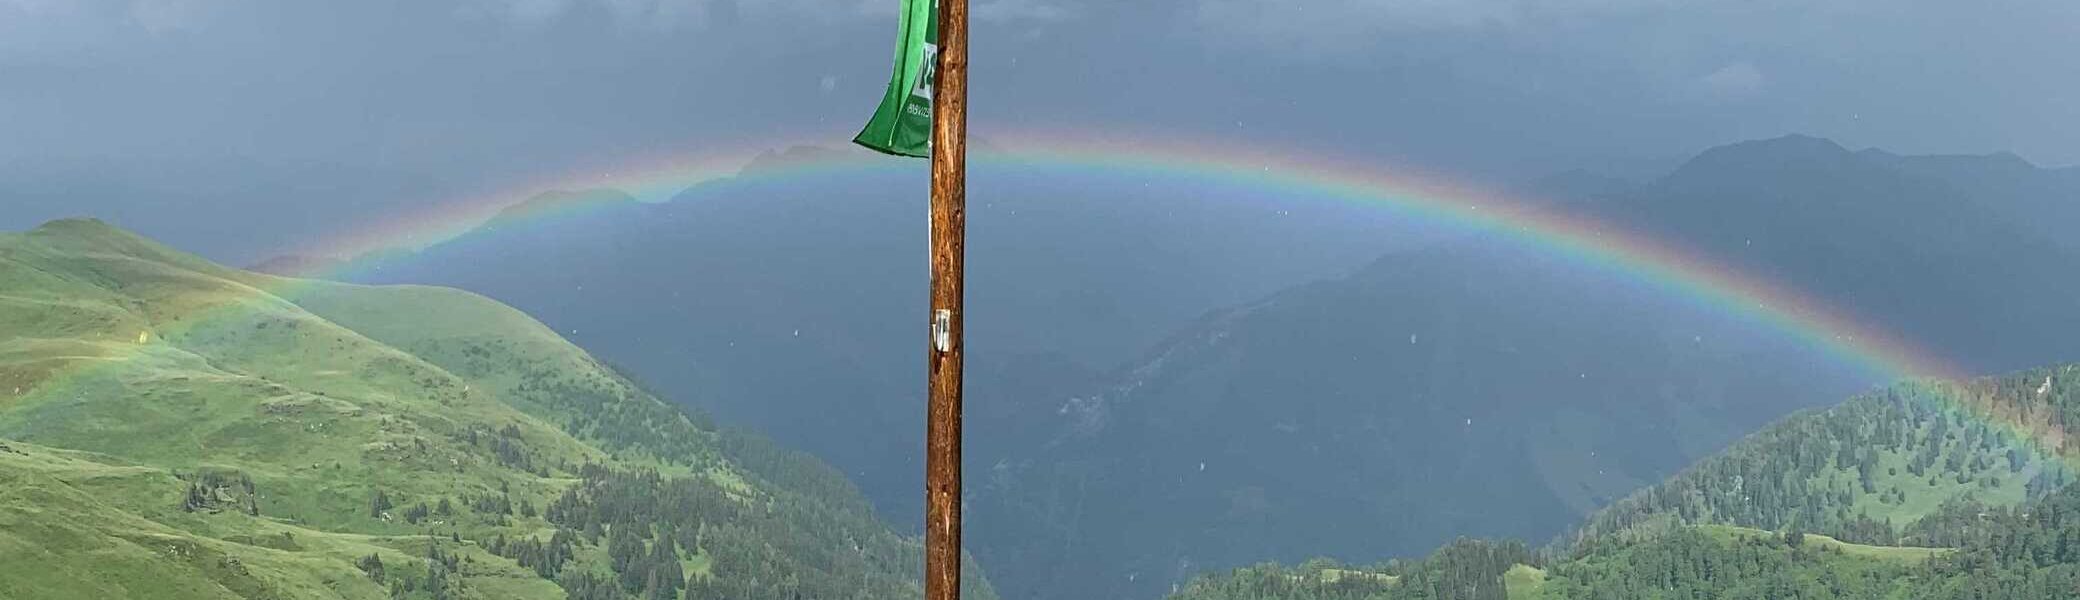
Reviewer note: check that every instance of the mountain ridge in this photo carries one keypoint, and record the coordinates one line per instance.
(1964, 542)
(338, 440)
(1617, 386)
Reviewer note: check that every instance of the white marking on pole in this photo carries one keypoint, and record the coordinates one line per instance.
(942, 330)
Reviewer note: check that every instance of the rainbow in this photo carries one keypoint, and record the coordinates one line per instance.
(1658, 263)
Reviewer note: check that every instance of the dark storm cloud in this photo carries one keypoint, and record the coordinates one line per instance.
(1916, 75)
(305, 116)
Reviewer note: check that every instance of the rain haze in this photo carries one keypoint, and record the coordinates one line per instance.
(301, 116)
(1315, 300)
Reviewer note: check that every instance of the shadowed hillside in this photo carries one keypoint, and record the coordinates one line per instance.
(787, 298)
(1497, 389)
(1924, 490)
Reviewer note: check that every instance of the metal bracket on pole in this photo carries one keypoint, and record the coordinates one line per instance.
(942, 330)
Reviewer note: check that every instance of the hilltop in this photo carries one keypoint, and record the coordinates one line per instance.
(1925, 489)
(173, 428)
(1872, 468)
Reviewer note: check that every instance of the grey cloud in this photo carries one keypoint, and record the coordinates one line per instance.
(166, 16)
(364, 107)
(660, 14)
(1022, 10)
(1733, 80)
(522, 13)
(656, 16)
(35, 30)
(990, 11)
(1321, 26)
(672, 15)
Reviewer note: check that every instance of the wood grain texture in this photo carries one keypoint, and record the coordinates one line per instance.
(942, 535)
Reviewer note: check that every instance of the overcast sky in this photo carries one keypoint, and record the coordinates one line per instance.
(301, 117)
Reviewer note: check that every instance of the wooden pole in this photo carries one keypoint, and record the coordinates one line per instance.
(942, 513)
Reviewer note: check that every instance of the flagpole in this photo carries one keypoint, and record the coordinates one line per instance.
(942, 530)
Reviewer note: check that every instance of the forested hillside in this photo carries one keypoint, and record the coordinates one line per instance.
(1924, 490)
(1866, 469)
(174, 429)
(1496, 388)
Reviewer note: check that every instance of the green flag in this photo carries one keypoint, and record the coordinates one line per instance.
(903, 124)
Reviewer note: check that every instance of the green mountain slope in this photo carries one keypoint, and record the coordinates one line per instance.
(1926, 489)
(1868, 468)
(203, 432)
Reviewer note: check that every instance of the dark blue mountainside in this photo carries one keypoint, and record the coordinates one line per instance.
(1489, 388)
(1126, 430)
(792, 297)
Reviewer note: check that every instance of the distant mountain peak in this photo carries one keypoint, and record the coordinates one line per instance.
(1879, 154)
(558, 200)
(1794, 138)
(1765, 158)
(794, 156)
(2005, 156)
(1788, 147)
(2000, 166)
(799, 155)
(2003, 160)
